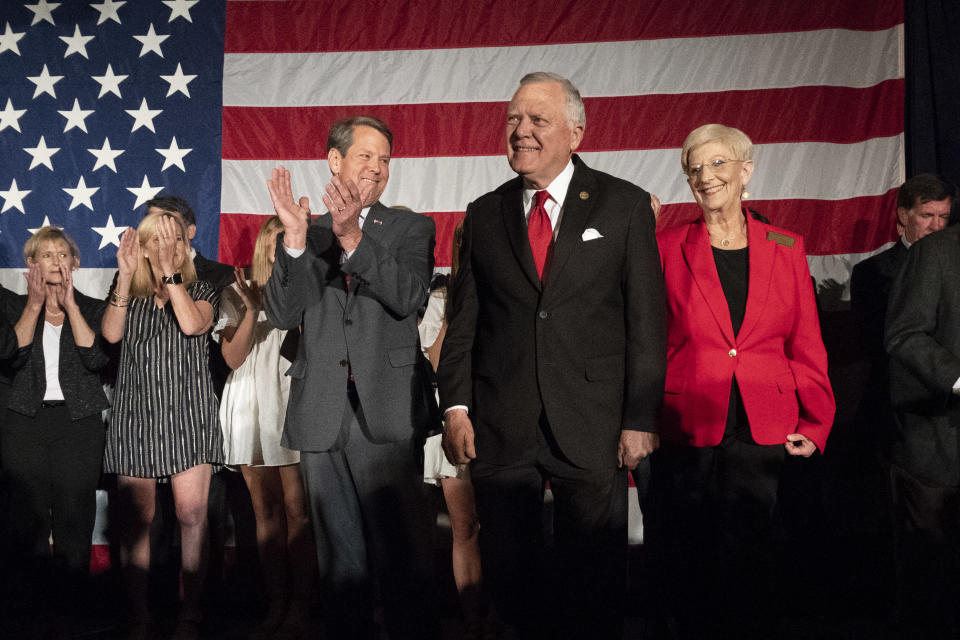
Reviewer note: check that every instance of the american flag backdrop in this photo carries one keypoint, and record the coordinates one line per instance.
(105, 103)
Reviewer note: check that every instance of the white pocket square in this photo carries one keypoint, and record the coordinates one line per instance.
(590, 234)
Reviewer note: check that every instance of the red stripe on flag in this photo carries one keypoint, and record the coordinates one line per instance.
(238, 232)
(827, 226)
(369, 25)
(830, 114)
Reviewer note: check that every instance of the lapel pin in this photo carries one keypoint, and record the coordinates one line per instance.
(584, 195)
(377, 221)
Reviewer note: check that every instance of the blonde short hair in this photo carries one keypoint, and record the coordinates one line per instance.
(46, 234)
(143, 284)
(262, 267)
(737, 140)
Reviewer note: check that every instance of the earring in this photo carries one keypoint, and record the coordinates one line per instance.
(744, 194)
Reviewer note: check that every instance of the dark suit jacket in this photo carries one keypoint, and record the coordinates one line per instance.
(778, 355)
(216, 273)
(869, 292)
(923, 340)
(372, 330)
(586, 347)
(78, 366)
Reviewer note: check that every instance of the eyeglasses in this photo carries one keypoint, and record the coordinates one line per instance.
(717, 166)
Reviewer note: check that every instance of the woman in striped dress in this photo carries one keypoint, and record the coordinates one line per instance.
(164, 421)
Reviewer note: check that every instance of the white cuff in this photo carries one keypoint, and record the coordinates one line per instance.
(456, 406)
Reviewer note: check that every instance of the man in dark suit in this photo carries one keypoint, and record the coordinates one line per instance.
(552, 367)
(923, 207)
(923, 340)
(359, 396)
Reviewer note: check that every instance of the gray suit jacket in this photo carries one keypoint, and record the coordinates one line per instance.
(923, 340)
(371, 331)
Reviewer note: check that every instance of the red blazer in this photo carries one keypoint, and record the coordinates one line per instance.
(778, 356)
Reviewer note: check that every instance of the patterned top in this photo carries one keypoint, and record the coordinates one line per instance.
(165, 411)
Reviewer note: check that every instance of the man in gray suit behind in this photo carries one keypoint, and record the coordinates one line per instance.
(353, 279)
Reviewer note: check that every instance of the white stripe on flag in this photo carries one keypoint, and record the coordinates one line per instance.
(809, 170)
(831, 57)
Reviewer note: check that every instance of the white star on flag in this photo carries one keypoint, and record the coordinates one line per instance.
(105, 156)
(108, 10)
(143, 117)
(173, 155)
(9, 40)
(76, 117)
(180, 8)
(10, 117)
(144, 192)
(43, 10)
(81, 195)
(77, 43)
(44, 83)
(151, 42)
(178, 82)
(41, 154)
(46, 223)
(13, 197)
(109, 234)
(109, 82)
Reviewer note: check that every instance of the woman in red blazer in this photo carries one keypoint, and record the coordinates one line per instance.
(746, 380)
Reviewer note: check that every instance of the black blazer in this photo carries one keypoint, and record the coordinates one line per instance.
(78, 367)
(923, 340)
(588, 347)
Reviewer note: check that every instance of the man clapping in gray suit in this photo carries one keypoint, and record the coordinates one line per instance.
(353, 279)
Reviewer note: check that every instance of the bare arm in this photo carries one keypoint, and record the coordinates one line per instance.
(115, 316)
(238, 339)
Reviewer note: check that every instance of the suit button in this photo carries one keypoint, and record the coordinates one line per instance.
(344, 363)
(543, 315)
(732, 353)
(348, 322)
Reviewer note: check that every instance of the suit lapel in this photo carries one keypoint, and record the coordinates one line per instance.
(512, 210)
(703, 269)
(762, 255)
(576, 212)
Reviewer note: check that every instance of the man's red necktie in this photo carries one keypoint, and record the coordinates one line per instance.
(540, 231)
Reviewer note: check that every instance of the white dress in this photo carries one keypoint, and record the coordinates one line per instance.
(435, 463)
(254, 403)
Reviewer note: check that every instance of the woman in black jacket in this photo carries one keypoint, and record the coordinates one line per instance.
(52, 435)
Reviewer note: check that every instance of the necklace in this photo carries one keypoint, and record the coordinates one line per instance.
(728, 240)
(54, 314)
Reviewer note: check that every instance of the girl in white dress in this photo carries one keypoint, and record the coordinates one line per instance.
(251, 415)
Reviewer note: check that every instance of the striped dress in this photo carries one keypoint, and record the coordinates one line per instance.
(165, 417)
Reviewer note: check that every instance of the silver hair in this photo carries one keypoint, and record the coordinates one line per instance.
(575, 112)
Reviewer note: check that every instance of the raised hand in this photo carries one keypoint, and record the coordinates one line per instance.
(344, 199)
(167, 232)
(294, 215)
(249, 295)
(65, 295)
(127, 252)
(36, 285)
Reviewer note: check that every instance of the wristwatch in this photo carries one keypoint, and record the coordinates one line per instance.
(176, 278)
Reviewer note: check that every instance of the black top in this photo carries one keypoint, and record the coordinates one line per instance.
(77, 369)
(733, 267)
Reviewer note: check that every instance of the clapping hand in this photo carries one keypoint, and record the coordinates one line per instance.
(248, 295)
(127, 252)
(36, 285)
(294, 215)
(65, 296)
